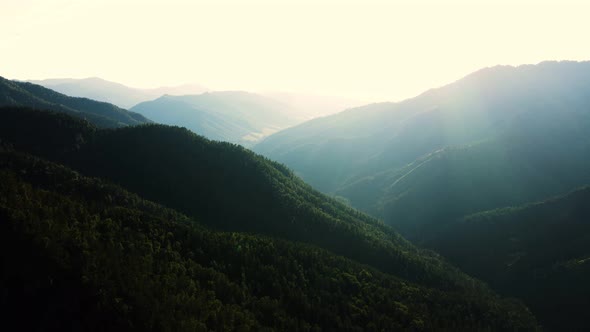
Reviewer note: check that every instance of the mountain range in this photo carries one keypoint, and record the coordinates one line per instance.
(248, 245)
(104, 115)
(115, 93)
(231, 116)
(487, 178)
(500, 136)
(471, 170)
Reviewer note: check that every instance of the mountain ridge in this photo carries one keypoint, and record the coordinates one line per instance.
(331, 153)
(293, 231)
(234, 116)
(116, 93)
(102, 114)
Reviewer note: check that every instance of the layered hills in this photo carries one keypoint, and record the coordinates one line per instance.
(248, 245)
(231, 116)
(104, 115)
(500, 136)
(115, 93)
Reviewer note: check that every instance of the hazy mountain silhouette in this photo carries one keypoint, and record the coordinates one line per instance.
(232, 116)
(520, 134)
(105, 115)
(304, 106)
(330, 152)
(112, 92)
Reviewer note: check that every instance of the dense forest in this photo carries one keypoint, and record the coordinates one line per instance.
(538, 252)
(253, 249)
(201, 178)
(296, 166)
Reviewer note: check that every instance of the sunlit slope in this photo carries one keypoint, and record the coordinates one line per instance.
(333, 151)
(544, 154)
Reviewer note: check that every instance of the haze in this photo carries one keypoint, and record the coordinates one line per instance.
(370, 51)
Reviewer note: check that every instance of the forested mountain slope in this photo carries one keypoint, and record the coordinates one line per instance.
(104, 115)
(227, 187)
(87, 255)
(105, 259)
(539, 252)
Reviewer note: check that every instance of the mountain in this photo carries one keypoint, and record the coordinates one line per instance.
(503, 136)
(101, 258)
(305, 106)
(257, 249)
(545, 156)
(500, 136)
(114, 93)
(538, 252)
(232, 116)
(225, 185)
(104, 115)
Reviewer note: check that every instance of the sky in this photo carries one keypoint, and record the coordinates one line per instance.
(367, 50)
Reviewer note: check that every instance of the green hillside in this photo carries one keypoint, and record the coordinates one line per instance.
(538, 252)
(90, 256)
(135, 265)
(229, 188)
(502, 136)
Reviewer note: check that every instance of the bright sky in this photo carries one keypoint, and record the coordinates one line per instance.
(366, 49)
